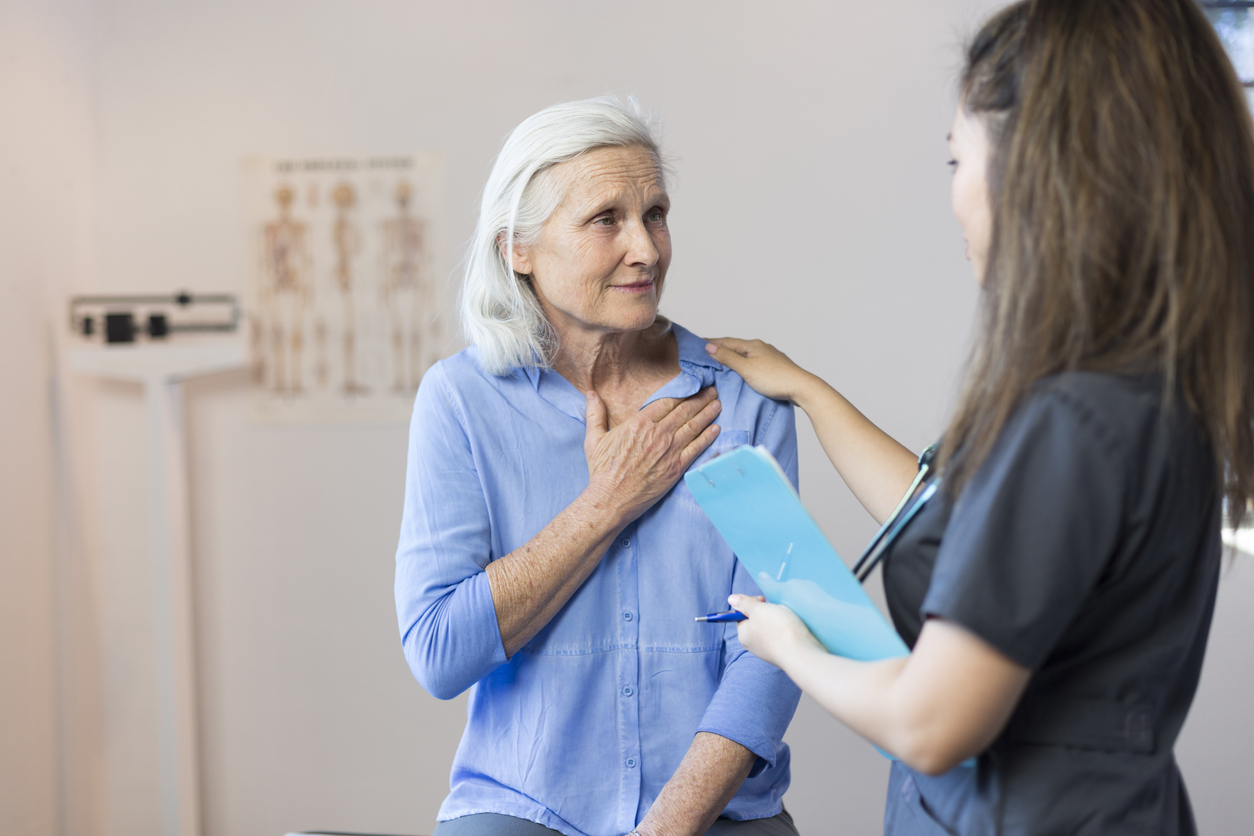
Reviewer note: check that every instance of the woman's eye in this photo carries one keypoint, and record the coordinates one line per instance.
(605, 220)
(656, 216)
(953, 164)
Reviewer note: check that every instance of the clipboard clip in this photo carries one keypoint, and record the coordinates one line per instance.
(707, 478)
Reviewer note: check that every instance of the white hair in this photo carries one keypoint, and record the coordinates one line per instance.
(500, 313)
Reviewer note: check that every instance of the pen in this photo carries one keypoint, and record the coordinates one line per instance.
(717, 617)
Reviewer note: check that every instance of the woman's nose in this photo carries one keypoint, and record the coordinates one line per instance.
(641, 248)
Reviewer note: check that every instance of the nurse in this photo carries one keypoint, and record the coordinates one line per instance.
(1057, 590)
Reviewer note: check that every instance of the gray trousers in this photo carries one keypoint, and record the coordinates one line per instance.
(495, 824)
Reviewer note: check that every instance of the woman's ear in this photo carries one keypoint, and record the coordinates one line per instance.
(522, 255)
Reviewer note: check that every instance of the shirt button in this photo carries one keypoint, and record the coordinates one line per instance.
(628, 691)
(631, 763)
(627, 616)
(625, 543)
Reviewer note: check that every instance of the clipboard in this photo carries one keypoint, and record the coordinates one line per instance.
(747, 496)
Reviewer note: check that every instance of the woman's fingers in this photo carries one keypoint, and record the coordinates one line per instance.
(770, 629)
(598, 421)
(663, 408)
(697, 426)
(691, 415)
(724, 345)
(698, 445)
(730, 352)
(686, 419)
(741, 356)
(598, 425)
(745, 603)
(736, 350)
(749, 631)
(762, 365)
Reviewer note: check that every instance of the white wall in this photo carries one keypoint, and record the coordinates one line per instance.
(811, 209)
(27, 765)
(49, 691)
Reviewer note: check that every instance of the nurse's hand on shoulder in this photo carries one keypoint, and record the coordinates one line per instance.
(771, 631)
(763, 366)
(632, 465)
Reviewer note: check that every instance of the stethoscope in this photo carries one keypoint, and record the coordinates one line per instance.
(896, 522)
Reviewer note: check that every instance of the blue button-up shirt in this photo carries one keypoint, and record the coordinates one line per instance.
(580, 730)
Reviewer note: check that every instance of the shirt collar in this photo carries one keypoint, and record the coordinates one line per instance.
(533, 374)
(692, 350)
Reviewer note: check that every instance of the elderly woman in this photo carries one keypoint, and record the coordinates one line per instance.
(550, 560)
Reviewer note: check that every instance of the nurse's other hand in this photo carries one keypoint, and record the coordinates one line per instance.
(763, 366)
(632, 465)
(771, 632)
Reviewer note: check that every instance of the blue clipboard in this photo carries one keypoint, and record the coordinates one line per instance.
(749, 499)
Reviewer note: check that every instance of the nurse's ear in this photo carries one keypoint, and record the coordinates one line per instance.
(521, 255)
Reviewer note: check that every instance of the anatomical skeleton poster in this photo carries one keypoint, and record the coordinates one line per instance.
(346, 303)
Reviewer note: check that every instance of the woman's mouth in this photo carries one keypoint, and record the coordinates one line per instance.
(636, 287)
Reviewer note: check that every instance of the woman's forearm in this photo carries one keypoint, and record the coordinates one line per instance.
(944, 703)
(533, 582)
(859, 694)
(872, 463)
(701, 788)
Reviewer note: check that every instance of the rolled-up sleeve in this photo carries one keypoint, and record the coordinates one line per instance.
(755, 701)
(444, 603)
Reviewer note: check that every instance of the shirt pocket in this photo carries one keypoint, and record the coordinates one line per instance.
(727, 441)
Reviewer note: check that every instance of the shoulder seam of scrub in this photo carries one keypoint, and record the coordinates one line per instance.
(1089, 417)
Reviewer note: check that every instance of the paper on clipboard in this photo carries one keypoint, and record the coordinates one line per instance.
(749, 499)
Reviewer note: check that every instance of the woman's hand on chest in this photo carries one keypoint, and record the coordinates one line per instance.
(640, 459)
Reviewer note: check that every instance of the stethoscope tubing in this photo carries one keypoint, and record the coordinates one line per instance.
(874, 552)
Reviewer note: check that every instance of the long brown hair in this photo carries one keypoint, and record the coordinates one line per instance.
(1122, 190)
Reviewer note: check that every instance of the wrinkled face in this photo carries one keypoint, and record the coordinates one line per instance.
(969, 149)
(601, 258)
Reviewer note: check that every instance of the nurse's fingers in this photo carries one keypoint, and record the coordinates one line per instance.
(763, 366)
(745, 603)
(732, 344)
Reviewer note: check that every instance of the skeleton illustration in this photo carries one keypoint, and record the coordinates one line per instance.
(405, 279)
(347, 241)
(343, 305)
(287, 293)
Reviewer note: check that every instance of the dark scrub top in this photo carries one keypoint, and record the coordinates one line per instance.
(1085, 548)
